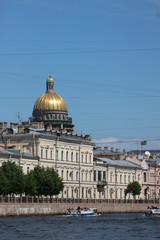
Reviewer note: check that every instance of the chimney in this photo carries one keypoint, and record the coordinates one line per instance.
(117, 150)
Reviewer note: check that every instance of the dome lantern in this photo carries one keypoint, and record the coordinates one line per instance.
(50, 84)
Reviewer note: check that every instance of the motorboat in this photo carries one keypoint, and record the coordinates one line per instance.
(153, 211)
(82, 212)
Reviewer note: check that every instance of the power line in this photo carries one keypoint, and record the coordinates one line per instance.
(82, 52)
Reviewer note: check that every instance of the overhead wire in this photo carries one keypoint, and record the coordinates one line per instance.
(82, 52)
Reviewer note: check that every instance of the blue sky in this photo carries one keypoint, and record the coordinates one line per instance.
(104, 56)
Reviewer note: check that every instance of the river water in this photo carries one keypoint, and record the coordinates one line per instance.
(109, 226)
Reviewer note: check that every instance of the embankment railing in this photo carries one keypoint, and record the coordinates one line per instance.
(28, 199)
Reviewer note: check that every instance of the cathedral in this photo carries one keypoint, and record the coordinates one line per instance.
(51, 110)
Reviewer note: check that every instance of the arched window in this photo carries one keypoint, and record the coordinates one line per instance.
(67, 156)
(89, 158)
(46, 153)
(124, 178)
(86, 176)
(144, 176)
(120, 178)
(129, 178)
(82, 158)
(67, 175)
(71, 156)
(86, 158)
(62, 174)
(76, 157)
(51, 154)
(82, 177)
(57, 154)
(62, 155)
(41, 153)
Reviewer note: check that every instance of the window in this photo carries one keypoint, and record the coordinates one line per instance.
(76, 157)
(89, 158)
(71, 156)
(133, 178)
(62, 155)
(86, 177)
(51, 154)
(116, 193)
(116, 178)
(67, 175)
(62, 175)
(86, 158)
(57, 155)
(82, 192)
(124, 178)
(104, 175)
(41, 153)
(67, 156)
(121, 194)
(129, 178)
(144, 177)
(111, 177)
(71, 175)
(82, 157)
(99, 176)
(82, 177)
(46, 153)
(72, 192)
(86, 193)
(67, 192)
(94, 177)
(120, 178)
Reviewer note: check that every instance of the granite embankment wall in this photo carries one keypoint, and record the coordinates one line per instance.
(24, 209)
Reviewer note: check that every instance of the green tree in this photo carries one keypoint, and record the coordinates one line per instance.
(11, 179)
(30, 184)
(47, 181)
(134, 188)
(56, 182)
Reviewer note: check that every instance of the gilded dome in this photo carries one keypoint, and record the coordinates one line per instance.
(50, 101)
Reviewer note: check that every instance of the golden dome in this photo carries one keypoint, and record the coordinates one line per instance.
(50, 101)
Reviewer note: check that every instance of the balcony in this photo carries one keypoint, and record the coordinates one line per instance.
(101, 184)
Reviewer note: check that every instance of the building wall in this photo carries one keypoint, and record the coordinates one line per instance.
(116, 180)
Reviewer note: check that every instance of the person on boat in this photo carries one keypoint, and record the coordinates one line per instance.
(78, 210)
(69, 211)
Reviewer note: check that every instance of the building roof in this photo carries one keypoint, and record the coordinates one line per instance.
(120, 163)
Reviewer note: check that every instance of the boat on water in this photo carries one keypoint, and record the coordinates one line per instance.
(82, 212)
(153, 211)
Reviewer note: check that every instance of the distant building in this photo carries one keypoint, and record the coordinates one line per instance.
(106, 153)
(150, 175)
(113, 176)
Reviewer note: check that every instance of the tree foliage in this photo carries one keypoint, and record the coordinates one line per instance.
(47, 180)
(30, 184)
(11, 179)
(134, 188)
(39, 181)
